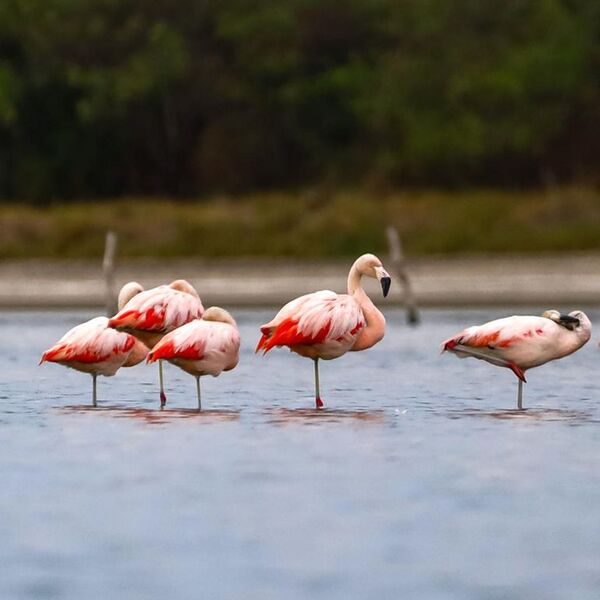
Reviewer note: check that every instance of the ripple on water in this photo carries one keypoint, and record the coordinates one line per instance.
(527, 414)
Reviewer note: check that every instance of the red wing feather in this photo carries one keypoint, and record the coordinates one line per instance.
(168, 350)
(490, 339)
(83, 354)
(287, 334)
(481, 340)
(150, 320)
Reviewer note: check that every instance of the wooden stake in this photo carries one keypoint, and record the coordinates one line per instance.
(108, 267)
(400, 269)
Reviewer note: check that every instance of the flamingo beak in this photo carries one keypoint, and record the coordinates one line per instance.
(385, 285)
(384, 279)
(568, 321)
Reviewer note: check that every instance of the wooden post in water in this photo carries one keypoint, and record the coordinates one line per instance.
(108, 267)
(400, 269)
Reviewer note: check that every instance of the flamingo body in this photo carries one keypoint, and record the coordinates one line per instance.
(319, 325)
(93, 347)
(327, 325)
(204, 347)
(200, 348)
(152, 313)
(522, 342)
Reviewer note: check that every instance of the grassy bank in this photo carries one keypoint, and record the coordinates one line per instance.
(309, 224)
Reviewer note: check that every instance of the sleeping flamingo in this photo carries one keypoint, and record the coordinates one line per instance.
(94, 348)
(149, 315)
(523, 342)
(204, 347)
(326, 325)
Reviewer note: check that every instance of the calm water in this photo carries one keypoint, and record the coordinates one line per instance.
(417, 482)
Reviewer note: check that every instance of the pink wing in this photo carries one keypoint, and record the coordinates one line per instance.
(517, 342)
(159, 309)
(90, 342)
(138, 353)
(313, 319)
(500, 333)
(213, 342)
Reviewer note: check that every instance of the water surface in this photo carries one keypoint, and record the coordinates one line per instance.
(418, 481)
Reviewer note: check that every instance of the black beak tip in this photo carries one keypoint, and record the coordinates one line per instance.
(569, 319)
(385, 285)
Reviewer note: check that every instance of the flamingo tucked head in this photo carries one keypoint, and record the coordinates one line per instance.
(181, 285)
(370, 266)
(576, 320)
(128, 291)
(218, 314)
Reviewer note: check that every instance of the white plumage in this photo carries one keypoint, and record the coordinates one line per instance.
(522, 342)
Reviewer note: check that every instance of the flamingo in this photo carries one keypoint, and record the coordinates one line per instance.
(327, 325)
(149, 315)
(93, 347)
(523, 342)
(202, 347)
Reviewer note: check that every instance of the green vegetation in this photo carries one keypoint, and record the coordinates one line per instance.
(189, 98)
(312, 224)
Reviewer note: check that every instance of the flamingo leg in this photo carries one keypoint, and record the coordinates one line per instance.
(198, 392)
(318, 401)
(163, 397)
(94, 398)
(520, 395)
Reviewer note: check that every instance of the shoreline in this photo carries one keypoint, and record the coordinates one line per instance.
(545, 280)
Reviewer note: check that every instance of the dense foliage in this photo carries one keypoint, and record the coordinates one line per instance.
(307, 225)
(109, 97)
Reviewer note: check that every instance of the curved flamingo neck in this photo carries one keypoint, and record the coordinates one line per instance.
(354, 277)
(128, 291)
(374, 330)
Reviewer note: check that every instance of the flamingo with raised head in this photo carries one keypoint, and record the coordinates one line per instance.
(150, 315)
(94, 348)
(327, 325)
(207, 346)
(520, 343)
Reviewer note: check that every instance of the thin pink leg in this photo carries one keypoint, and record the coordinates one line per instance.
(318, 401)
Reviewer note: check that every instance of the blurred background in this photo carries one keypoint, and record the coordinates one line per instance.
(298, 128)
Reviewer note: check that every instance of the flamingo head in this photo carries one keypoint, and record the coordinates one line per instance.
(583, 328)
(576, 320)
(128, 291)
(370, 266)
(216, 313)
(181, 285)
(567, 321)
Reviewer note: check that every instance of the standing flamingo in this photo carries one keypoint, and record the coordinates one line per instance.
(203, 347)
(151, 314)
(94, 348)
(326, 325)
(523, 342)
